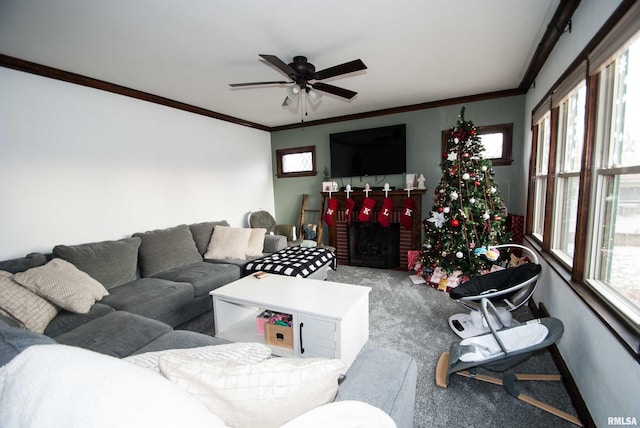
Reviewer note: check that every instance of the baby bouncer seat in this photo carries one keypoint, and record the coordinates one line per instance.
(508, 289)
(501, 349)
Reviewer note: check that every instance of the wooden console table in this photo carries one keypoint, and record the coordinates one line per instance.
(337, 235)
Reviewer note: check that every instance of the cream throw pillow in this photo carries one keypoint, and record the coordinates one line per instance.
(228, 243)
(265, 395)
(247, 353)
(256, 242)
(27, 308)
(64, 285)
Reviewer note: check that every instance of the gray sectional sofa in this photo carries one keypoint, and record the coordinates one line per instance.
(160, 279)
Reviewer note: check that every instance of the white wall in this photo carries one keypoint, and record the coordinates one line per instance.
(606, 374)
(81, 165)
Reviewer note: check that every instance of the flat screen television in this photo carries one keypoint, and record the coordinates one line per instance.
(375, 151)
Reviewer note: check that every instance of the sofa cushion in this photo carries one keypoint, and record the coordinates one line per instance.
(179, 339)
(63, 386)
(150, 297)
(118, 334)
(165, 249)
(62, 284)
(228, 243)
(66, 321)
(111, 263)
(201, 233)
(244, 352)
(14, 340)
(204, 277)
(266, 394)
(23, 263)
(386, 379)
(22, 305)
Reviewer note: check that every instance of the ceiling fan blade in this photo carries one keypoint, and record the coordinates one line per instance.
(347, 67)
(341, 92)
(279, 64)
(237, 85)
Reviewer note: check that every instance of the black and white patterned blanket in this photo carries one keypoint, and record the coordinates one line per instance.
(294, 261)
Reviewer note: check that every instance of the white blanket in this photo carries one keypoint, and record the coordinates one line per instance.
(63, 386)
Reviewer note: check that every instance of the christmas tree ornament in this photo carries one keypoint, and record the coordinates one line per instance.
(437, 219)
(446, 210)
(454, 222)
(330, 213)
(472, 200)
(406, 218)
(465, 176)
(459, 254)
(347, 212)
(453, 195)
(484, 168)
(485, 216)
(385, 212)
(367, 208)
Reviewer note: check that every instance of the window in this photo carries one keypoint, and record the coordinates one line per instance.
(613, 263)
(496, 139)
(584, 182)
(571, 127)
(541, 169)
(296, 162)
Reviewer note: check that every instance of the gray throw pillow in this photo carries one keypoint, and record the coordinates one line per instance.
(202, 233)
(112, 263)
(165, 249)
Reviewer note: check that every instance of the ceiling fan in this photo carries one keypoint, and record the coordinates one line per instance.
(301, 72)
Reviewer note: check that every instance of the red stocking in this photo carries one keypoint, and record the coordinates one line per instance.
(330, 213)
(350, 204)
(406, 219)
(385, 212)
(365, 211)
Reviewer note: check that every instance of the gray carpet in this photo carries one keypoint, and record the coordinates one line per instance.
(413, 319)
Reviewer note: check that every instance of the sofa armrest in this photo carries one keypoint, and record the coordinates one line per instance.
(385, 379)
(274, 243)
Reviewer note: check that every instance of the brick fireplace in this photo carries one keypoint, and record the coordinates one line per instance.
(338, 235)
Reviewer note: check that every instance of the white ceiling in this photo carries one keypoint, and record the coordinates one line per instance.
(416, 51)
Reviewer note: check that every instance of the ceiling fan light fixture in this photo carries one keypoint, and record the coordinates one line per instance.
(314, 96)
(293, 91)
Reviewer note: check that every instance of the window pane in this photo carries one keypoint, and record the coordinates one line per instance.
(492, 145)
(538, 218)
(544, 139)
(297, 162)
(566, 220)
(620, 244)
(625, 123)
(574, 131)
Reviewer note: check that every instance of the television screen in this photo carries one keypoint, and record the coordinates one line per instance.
(376, 151)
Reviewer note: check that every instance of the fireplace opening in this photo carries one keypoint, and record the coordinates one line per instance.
(371, 245)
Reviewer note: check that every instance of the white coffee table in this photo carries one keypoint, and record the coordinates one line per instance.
(329, 319)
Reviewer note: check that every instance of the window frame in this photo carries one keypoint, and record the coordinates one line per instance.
(280, 153)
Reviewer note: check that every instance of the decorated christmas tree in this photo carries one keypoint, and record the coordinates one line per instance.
(468, 215)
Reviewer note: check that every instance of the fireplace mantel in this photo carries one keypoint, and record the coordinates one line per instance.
(337, 235)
